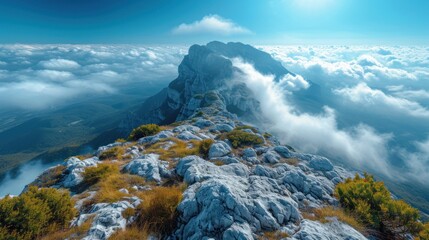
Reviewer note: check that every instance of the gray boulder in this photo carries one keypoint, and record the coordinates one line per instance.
(107, 219)
(319, 163)
(74, 169)
(222, 128)
(149, 167)
(219, 149)
(187, 135)
(333, 230)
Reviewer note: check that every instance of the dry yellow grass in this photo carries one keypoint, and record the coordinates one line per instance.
(84, 156)
(131, 233)
(157, 212)
(323, 214)
(51, 177)
(113, 153)
(108, 189)
(178, 149)
(218, 163)
(73, 233)
(290, 161)
(274, 235)
(93, 175)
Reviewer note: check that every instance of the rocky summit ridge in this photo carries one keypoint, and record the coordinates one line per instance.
(231, 192)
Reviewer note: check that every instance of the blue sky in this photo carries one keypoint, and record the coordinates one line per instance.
(255, 21)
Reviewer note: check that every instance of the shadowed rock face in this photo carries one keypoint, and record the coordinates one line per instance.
(206, 78)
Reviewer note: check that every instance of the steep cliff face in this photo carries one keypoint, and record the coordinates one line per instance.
(206, 76)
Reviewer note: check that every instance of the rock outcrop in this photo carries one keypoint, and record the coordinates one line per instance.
(206, 76)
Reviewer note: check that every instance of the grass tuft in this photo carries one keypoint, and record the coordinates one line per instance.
(93, 175)
(274, 235)
(323, 214)
(157, 213)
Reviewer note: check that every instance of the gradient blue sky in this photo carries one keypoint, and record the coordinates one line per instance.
(254, 21)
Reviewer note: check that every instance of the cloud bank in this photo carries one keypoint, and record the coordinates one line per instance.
(211, 24)
(315, 133)
(376, 94)
(36, 77)
(365, 96)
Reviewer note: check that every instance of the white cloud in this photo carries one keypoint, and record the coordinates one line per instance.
(364, 95)
(212, 24)
(359, 146)
(60, 64)
(413, 94)
(339, 64)
(293, 83)
(54, 75)
(73, 71)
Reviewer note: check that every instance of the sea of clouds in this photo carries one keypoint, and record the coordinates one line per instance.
(372, 112)
(35, 77)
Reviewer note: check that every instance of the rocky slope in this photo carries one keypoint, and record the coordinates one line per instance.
(233, 191)
(205, 75)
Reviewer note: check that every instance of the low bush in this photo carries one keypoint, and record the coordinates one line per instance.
(371, 202)
(157, 213)
(112, 153)
(35, 213)
(204, 147)
(424, 233)
(240, 138)
(93, 175)
(247, 127)
(144, 131)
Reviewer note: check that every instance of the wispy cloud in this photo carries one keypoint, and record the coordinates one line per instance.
(212, 24)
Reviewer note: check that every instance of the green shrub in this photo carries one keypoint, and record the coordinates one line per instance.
(247, 127)
(93, 175)
(371, 202)
(240, 138)
(204, 147)
(144, 131)
(35, 213)
(424, 233)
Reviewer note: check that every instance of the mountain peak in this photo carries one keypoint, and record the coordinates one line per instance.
(207, 73)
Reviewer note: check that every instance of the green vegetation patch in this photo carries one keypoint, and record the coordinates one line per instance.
(112, 153)
(204, 147)
(240, 138)
(35, 213)
(144, 131)
(371, 202)
(93, 175)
